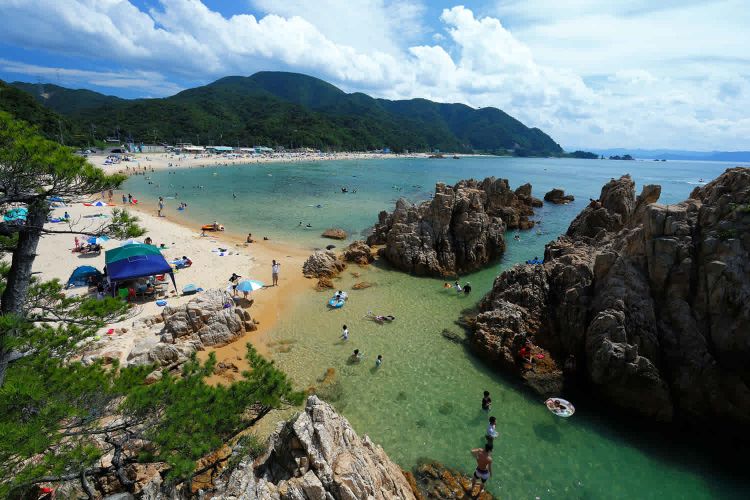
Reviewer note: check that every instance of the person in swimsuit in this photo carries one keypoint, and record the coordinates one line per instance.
(484, 465)
(486, 401)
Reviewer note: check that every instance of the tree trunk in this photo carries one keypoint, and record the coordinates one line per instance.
(19, 275)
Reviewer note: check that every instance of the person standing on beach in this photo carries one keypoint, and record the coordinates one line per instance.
(484, 466)
(486, 401)
(275, 272)
(161, 205)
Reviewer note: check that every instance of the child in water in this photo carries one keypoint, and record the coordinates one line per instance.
(379, 361)
(356, 356)
(345, 333)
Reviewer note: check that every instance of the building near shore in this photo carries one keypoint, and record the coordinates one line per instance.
(219, 149)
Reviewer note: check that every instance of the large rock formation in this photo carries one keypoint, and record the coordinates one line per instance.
(650, 299)
(460, 230)
(317, 456)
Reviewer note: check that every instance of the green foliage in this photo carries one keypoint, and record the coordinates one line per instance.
(197, 418)
(294, 110)
(52, 409)
(582, 154)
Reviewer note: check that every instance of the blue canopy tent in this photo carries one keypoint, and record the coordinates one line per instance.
(135, 261)
(82, 275)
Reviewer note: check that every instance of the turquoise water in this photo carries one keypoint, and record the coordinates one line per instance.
(424, 401)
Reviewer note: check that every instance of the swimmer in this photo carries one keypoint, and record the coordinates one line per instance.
(379, 361)
(308, 225)
(356, 356)
(486, 401)
(446, 285)
(492, 430)
(345, 333)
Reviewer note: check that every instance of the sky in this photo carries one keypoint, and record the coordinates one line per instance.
(591, 73)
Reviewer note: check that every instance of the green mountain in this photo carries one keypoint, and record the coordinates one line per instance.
(294, 110)
(23, 106)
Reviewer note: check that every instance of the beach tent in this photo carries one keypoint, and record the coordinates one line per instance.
(81, 276)
(135, 261)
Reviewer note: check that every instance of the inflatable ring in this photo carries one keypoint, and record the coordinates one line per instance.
(560, 407)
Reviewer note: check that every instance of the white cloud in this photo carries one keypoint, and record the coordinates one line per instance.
(365, 25)
(150, 81)
(599, 79)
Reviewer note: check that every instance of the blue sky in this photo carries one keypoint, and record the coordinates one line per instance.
(596, 74)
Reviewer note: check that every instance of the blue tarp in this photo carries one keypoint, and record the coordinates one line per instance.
(135, 261)
(16, 215)
(81, 275)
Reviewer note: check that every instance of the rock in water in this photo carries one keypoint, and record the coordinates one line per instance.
(358, 252)
(650, 299)
(334, 233)
(317, 455)
(322, 264)
(460, 230)
(558, 197)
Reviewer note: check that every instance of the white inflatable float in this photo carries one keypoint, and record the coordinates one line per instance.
(560, 407)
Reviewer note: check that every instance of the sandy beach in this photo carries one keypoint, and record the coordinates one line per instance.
(158, 161)
(209, 270)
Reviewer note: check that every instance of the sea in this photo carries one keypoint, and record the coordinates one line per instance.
(424, 401)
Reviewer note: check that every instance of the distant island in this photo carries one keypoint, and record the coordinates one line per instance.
(676, 154)
(623, 157)
(291, 110)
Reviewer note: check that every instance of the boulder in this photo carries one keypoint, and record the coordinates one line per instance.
(358, 252)
(558, 197)
(210, 319)
(649, 300)
(322, 264)
(460, 230)
(334, 233)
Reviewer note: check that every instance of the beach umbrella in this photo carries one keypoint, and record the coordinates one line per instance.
(131, 241)
(97, 240)
(249, 286)
(99, 204)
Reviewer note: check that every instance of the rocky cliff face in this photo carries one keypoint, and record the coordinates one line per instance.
(650, 299)
(460, 230)
(317, 456)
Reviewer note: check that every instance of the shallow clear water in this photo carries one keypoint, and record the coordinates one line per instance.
(424, 401)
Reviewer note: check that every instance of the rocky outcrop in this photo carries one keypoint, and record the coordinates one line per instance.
(358, 252)
(322, 264)
(334, 234)
(650, 301)
(558, 197)
(210, 319)
(318, 456)
(460, 230)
